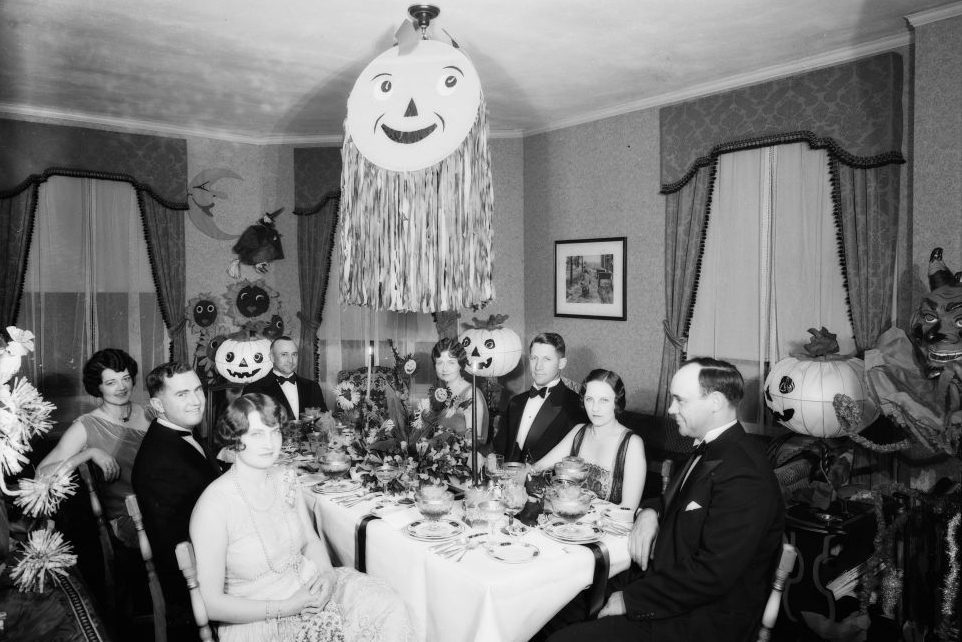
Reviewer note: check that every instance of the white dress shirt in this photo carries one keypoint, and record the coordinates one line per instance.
(289, 388)
(710, 436)
(189, 438)
(531, 410)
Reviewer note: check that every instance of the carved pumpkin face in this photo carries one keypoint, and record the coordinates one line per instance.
(410, 111)
(205, 313)
(252, 301)
(499, 350)
(244, 358)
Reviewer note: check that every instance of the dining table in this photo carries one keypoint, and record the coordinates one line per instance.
(469, 598)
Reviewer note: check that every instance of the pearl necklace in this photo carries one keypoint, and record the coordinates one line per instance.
(293, 560)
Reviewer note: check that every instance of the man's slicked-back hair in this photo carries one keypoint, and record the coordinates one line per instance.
(719, 376)
(157, 378)
(283, 337)
(552, 339)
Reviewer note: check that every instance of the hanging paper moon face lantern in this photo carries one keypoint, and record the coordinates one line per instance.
(801, 393)
(411, 110)
(498, 349)
(205, 313)
(244, 358)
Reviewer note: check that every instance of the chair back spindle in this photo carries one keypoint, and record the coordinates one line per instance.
(103, 533)
(153, 582)
(188, 566)
(785, 565)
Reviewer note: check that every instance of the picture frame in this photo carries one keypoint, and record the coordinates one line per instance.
(591, 279)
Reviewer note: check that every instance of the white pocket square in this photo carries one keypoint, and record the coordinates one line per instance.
(692, 506)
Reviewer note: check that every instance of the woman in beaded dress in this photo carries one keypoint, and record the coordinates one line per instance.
(109, 436)
(262, 569)
(615, 456)
(450, 362)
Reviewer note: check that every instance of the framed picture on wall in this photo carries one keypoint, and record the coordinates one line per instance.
(590, 279)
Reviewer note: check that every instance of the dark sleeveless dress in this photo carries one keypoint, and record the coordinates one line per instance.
(606, 484)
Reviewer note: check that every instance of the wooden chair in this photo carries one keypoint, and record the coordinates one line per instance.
(103, 531)
(159, 607)
(188, 566)
(785, 566)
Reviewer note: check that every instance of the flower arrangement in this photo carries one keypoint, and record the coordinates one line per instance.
(25, 415)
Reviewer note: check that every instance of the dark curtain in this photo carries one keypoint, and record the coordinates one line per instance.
(316, 231)
(17, 210)
(164, 231)
(866, 204)
(686, 219)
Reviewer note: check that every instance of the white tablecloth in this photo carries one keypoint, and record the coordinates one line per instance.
(477, 599)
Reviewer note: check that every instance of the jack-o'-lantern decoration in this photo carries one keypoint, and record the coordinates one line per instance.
(416, 197)
(244, 357)
(801, 393)
(252, 302)
(495, 349)
(202, 311)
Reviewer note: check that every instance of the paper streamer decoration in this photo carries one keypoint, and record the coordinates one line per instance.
(416, 197)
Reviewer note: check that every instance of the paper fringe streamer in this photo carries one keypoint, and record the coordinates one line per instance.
(42, 496)
(45, 553)
(949, 629)
(419, 241)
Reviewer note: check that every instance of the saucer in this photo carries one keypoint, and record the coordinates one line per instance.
(425, 531)
(576, 533)
(512, 552)
(336, 487)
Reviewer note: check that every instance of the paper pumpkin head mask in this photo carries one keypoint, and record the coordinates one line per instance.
(411, 110)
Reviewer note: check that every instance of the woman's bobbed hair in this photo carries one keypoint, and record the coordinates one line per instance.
(233, 423)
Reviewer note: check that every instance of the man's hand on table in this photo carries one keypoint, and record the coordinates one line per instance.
(614, 606)
(642, 538)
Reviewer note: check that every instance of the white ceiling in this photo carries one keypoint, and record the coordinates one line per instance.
(281, 71)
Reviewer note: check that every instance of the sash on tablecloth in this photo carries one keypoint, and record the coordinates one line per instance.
(360, 542)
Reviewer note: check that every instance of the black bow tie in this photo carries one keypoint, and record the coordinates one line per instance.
(700, 449)
(183, 434)
(282, 379)
(537, 392)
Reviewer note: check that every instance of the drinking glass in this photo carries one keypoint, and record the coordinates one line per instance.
(335, 463)
(514, 498)
(570, 503)
(474, 494)
(516, 470)
(494, 466)
(492, 510)
(434, 502)
(385, 473)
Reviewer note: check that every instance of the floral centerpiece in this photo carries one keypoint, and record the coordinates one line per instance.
(24, 415)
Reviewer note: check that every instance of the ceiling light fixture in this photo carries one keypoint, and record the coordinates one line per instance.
(423, 14)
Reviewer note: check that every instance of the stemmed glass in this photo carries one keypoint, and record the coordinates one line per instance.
(385, 473)
(514, 498)
(492, 510)
(434, 502)
(570, 503)
(494, 466)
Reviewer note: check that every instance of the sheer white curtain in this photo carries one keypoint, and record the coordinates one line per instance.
(346, 332)
(88, 287)
(770, 269)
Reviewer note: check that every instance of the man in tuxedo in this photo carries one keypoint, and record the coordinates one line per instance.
(703, 557)
(291, 391)
(171, 470)
(537, 419)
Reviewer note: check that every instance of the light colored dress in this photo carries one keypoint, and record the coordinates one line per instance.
(454, 418)
(264, 562)
(121, 442)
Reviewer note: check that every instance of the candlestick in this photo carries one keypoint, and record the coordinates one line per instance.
(474, 419)
(370, 364)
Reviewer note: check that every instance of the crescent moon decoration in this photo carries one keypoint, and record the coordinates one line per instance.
(202, 198)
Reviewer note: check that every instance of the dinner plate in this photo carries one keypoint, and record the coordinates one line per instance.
(335, 487)
(310, 479)
(577, 533)
(425, 531)
(512, 552)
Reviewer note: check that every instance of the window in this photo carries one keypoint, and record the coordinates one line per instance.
(771, 265)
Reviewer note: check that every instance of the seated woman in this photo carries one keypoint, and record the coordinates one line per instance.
(450, 361)
(109, 436)
(615, 455)
(262, 569)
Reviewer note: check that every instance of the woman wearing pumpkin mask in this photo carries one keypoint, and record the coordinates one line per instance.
(262, 569)
(615, 456)
(462, 409)
(109, 436)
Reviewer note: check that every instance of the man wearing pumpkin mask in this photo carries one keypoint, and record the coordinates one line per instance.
(286, 387)
(537, 419)
(171, 470)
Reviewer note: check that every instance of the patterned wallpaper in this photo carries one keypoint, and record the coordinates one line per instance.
(858, 104)
(937, 184)
(30, 148)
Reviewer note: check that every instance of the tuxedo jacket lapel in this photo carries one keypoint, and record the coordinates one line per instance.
(550, 409)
